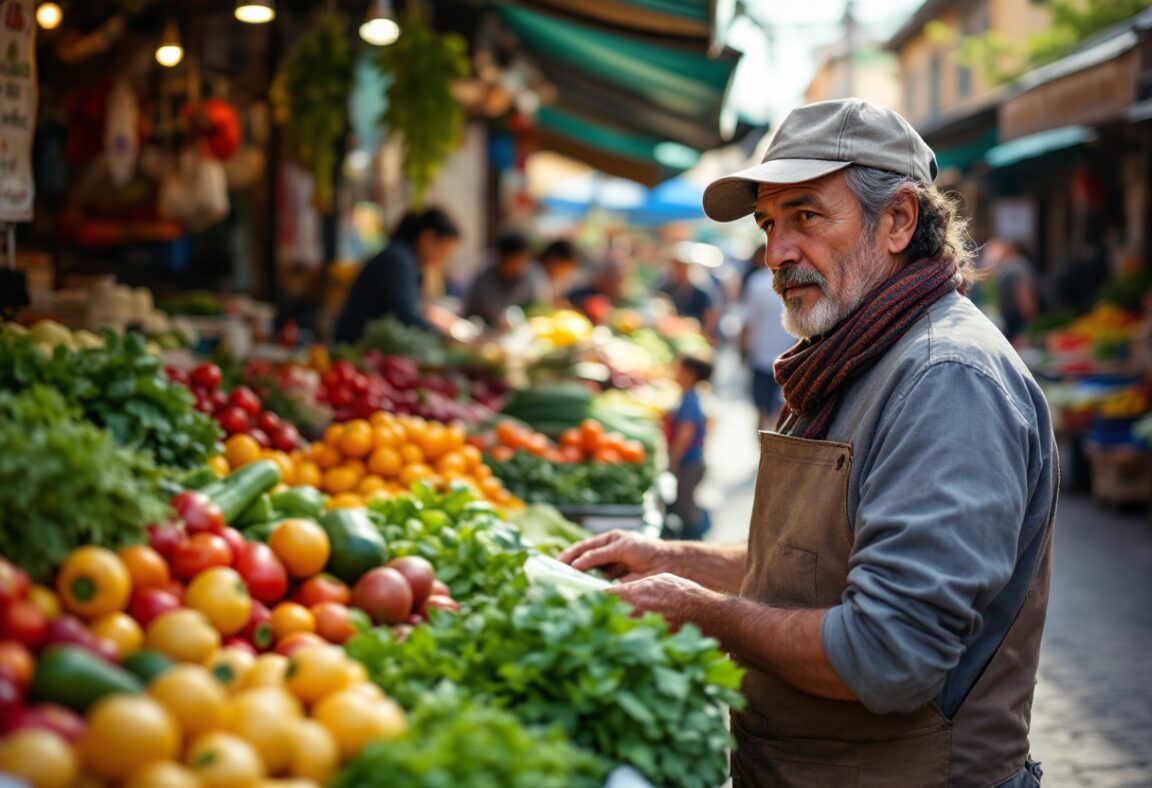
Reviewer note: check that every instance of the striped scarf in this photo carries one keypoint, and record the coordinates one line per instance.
(812, 372)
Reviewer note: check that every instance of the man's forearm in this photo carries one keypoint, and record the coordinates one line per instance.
(718, 567)
(786, 643)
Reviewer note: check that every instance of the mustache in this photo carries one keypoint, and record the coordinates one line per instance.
(792, 276)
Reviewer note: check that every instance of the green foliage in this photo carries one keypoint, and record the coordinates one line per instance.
(476, 554)
(453, 741)
(422, 65)
(121, 387)
(393, 338)
(537, 480)
(1072, 21)
(65, 483)
(311, 97)
(621, 685)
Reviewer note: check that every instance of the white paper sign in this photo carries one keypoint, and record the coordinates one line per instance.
(18, 92)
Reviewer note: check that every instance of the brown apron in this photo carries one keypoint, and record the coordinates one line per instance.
(798, 557)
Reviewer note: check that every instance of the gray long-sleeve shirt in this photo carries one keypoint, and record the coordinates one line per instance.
(954, 474)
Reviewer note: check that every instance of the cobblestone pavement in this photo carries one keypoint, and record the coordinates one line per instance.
(1092, 714)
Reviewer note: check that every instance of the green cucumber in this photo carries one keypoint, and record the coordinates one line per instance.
(356, 544)
(146, 664)
(299, 502)
(76, 678)
(259, 511)
(240, 489)
(201, 477)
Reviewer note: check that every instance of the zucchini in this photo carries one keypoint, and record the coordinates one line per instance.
(260, 511)
(299, 502)
(356, 544)
(76, 678)
(240, 489)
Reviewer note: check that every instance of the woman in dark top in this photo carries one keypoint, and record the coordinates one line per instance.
(389, 283)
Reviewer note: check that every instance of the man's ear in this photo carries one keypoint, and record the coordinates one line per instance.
(900, 220)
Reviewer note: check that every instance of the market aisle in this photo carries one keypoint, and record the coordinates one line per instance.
(1092, 717)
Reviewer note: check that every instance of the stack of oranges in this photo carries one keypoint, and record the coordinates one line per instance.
(386, 453)
(241, 449)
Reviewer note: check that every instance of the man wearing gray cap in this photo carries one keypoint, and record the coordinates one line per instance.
(889, 602)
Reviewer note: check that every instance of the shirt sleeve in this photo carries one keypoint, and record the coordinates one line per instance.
(937, 535)
(400, 277)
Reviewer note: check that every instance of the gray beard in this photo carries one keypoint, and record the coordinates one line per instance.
(820, 318)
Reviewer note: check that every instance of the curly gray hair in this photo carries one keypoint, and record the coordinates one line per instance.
(941, 232)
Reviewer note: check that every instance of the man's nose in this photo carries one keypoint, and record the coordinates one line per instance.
(779, 249)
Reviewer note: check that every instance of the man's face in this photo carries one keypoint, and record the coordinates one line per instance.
(513, 266)
(433, 251)
(678, 271)
(822, 259)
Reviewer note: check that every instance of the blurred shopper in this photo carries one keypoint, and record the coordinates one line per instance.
(1016, 290)
(763, 341)
(688, 427)
(889, 602)
(512, 280)
(604, 291)
(560, 261)
(690, 289)
(389, 283)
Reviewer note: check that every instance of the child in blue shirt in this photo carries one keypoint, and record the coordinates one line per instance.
(686, 445)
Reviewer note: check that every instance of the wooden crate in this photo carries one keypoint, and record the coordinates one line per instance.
(1121, 474)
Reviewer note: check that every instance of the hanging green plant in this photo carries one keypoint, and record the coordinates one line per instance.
(422, 66)
(310, 97)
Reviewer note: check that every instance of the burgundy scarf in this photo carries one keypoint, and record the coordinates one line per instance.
(812, 372)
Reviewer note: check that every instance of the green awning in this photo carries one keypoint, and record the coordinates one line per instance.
(1039, 144)
(962, 157)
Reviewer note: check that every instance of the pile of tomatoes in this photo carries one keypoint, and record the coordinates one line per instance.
(589, 442)
(240, 412)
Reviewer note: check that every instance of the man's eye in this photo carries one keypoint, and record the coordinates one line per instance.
(807, 215)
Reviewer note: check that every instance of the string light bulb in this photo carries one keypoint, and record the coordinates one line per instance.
(170, 52)
(380, 28)
(255, 12)
(49, 16)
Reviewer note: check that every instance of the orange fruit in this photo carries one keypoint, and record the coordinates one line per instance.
(632, 451)
(411, 454)
(481, 472)
(502, 453)
(220, 465)
(370, 484)
(491, 487)
(385, 461)
(146, 566)
(308, 474)
(239, 450)
(415, 472)
(284, 463)
(340, 479)
(454, 462)
(571, 437)
(345, 500)
(507, 433)
(326, 456)
(302, 545)
(288, 618)
(472, 455)
(380, 418)
(383, 435)
(456, 435)
(356, 440)
(332, 434)
(606, 455)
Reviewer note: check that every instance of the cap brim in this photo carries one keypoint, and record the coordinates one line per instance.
(734, 196)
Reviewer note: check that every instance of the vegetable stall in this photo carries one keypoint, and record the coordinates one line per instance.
(335, 569)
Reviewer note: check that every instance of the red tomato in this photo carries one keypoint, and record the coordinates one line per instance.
(268, 421)
(206, 376)
(258, 630)
(13, 582)
(235, 540)
(384, 594)
(232, 420)
(239, 642)
(198, 512)
(245, 398)
(322, 588)
(298, 640)
(62, 721)
(261, 437)
(164, 539)
(23, 622)
(176, 589)
(333, 622)
(285, 437)
(202, 551)
(148, 603)
(11, 698)
(263, 572)
(16, 663)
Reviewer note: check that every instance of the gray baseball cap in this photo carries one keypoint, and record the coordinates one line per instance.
(818, 139)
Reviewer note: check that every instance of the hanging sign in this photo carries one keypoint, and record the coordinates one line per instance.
(17, 108)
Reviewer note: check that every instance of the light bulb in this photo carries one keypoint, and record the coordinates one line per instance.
(49, 15)
(170, 52)
(380, 27)
(255, 12)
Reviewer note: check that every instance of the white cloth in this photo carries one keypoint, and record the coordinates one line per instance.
(763, 312)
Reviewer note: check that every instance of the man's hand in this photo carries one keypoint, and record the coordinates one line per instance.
(621, 555)
(680, 601)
